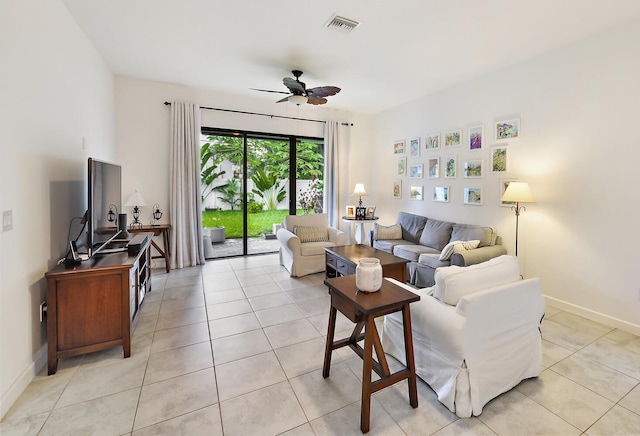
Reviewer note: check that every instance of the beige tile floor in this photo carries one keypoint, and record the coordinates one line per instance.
(235, 347)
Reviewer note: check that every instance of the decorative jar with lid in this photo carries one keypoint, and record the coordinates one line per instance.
(369, 274)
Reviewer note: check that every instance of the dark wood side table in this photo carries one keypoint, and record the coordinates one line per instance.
(362, 308)
(342, 261)
(157, 230)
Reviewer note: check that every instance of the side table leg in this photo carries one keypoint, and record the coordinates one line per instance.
(408, 347)
(367, 366)
(329, 345)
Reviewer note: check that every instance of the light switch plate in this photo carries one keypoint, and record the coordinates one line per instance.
(7, 220)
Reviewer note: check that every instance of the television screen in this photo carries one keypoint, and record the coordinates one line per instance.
(105, 202)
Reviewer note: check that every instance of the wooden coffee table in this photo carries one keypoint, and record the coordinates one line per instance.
(342, 261)
(362, 308)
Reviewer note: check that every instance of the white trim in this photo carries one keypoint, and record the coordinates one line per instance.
(21, 383)
(593, 315)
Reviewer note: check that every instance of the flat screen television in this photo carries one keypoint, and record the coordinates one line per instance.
(105, 202)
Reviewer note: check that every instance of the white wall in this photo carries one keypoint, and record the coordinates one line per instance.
(142, 125)
(579, 152)
(55, 90)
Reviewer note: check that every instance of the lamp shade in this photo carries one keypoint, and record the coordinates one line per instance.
(519, 192)
(359, 190)
(298, 99)
(135, 199)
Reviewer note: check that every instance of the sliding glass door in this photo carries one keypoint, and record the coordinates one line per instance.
(249, 185)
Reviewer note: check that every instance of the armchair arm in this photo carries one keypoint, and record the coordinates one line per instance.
(336, 236)
(289, 241)
(477, 255)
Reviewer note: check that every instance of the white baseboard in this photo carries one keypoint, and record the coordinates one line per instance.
(18, 387)
(593, 315)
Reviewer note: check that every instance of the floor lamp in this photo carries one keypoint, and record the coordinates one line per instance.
(518, 192)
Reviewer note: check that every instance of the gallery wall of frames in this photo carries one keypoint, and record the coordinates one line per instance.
(433, 160)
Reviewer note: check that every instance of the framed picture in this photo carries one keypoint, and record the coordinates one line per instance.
(398, 146)
(351, 212)
(508, 129)
(434, 167)
(452, 138)
(473, 196)
(371, 212)
(473, 168)
(499, 159)
(504, 183)
(415, 193)
(450, 165)
(432, 142)
(402, 166)
(476, 137)
(414, 147)
(441, 194)
(415, 171)
(397, 189)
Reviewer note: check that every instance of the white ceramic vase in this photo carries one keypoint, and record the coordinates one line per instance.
(369, 274)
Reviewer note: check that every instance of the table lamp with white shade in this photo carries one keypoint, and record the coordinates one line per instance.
(136, 201)
(361, 211)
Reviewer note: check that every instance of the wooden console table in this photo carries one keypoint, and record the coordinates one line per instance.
(157, 230)
(362, 308)
(94, 305)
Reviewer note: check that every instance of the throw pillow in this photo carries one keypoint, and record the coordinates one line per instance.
(457, 247)
(454, 282)
(387, 232)
(311, 233)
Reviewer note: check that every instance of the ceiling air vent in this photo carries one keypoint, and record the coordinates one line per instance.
(342, 24)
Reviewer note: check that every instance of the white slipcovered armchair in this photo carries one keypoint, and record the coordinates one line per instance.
(476, 333)
(302, 242)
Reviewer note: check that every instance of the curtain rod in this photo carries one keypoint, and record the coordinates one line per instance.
(264, 115)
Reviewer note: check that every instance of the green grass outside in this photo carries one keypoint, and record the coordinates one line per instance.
(231, 220)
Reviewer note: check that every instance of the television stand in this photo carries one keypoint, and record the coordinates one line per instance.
(95, 305)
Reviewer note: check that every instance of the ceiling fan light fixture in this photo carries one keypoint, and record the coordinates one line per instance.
(298, 99)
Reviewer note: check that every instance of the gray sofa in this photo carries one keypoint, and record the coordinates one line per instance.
(423, 240)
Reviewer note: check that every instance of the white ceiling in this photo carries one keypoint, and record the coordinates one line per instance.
(404, 49)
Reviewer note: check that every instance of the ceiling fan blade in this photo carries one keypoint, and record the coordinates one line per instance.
(316, 100)
(294, 86)
(283, 100)
(268, 90)
(323, 91)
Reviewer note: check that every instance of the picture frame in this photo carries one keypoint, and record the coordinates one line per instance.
(416, 171)
(450, 167)
(504, 184)
(398, 146)
(476, 137)
(473, 196)
(371, 212)
(473, 168)
(432, 142)
(452, 138)
(499, 161)
(507, 129)
(397, 188)
(414, 147)
(351, 212)
(416, 193)
(402, 166)
(433, 167)
(441, 194)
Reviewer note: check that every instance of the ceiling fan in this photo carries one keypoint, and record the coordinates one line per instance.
(299, 92)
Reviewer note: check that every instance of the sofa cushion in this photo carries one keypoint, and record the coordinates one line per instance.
(432, 260)
(388, 244)
(314, 248)
(412, 226)
(387, 232)
(412, 251)
(436, 234)
(457, 247)
(311, 233)
(454, 282)
(468, 232)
